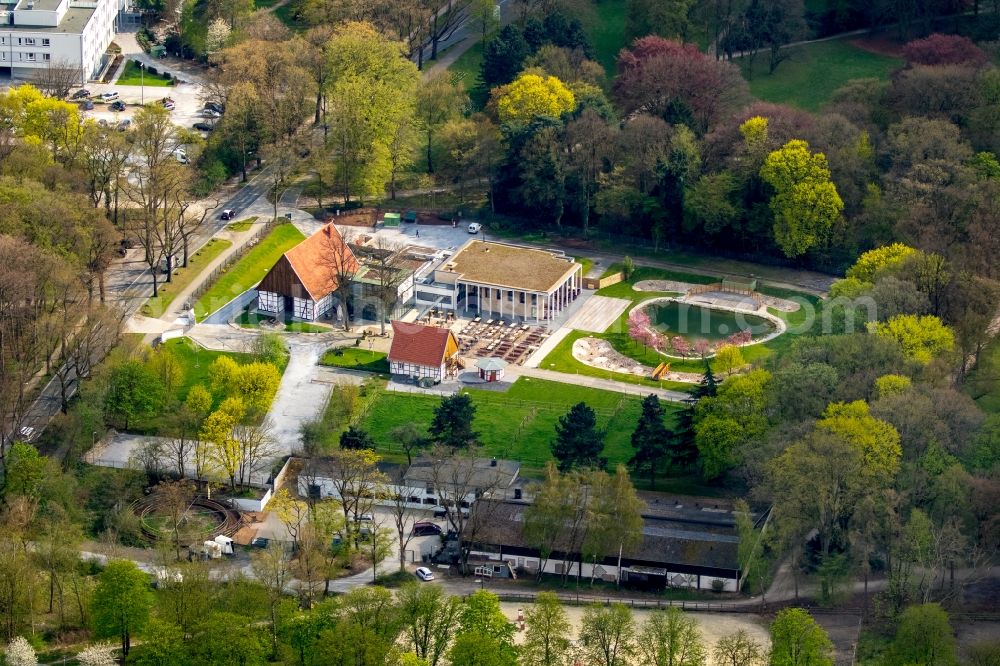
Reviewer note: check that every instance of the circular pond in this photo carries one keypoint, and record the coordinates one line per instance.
(694, 322)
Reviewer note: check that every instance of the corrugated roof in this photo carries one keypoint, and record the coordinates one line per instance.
(419, 344)
(318, 259)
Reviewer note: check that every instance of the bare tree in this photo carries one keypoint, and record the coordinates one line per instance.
(257, 446)
(272, 570)
(460, 479)
(175, 502)
(154, 182)
(102, 246)
(445, 18)
(84, 344)
(106, 156)
(386, 263)
(340, 266)
(401, 514)
(26, 327)
(56, 79)
(281, 158)
(190, 220)
(357, 483)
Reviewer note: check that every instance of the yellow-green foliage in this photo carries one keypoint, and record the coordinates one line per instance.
(805, 202)
(849, 288)
(254, 383)
(920, 338)
(889, 385)
(874, 263)
(729, 358)
(530, 96)
(754, 132)
(878, 440)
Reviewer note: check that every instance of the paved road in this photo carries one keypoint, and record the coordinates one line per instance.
(129, 284)
(453, 45)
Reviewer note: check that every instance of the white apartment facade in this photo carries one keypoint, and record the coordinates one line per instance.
(35, 34)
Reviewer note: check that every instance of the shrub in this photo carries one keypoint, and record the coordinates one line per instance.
(938, 49)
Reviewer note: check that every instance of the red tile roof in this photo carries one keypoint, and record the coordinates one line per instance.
(318, 259)
(420, 344)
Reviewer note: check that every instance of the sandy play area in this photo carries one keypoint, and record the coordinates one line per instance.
(781, 304)
(599, 353)
(713, 625)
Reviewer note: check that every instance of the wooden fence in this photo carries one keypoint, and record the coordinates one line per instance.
(728, 289)
(238, 254)
(601, 283)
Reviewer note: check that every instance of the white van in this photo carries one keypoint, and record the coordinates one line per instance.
(474, 227)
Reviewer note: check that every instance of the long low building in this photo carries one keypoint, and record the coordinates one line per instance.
(686, 542)
(36, 34)
(503, 281)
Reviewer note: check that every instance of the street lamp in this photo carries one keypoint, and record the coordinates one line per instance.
(142, 83)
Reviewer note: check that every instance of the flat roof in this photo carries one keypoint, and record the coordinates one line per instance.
(511, 266)
(73, 22)
(39, 5)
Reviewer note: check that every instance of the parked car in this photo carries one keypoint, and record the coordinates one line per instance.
(109, 96)
(423, 573)
(103, 122)
(117, 106)
(86, 105)
(260, 542)
(181, 156)
(124, 125)
(440, 512)
(203, 127)
(214, 106)
(366, 518)
(81, 93)
(210, 113)
(227, 214)
(425, 528)
(475, 227)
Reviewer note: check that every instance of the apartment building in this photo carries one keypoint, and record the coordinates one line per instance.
(35, 34)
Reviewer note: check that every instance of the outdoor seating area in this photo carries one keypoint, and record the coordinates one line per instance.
(495, 338)
(437, 317)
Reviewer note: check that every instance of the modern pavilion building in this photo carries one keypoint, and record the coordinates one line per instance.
(503, 281)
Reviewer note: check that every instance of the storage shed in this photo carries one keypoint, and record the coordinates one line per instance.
(491, 369)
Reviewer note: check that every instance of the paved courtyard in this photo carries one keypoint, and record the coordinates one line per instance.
(598, 313)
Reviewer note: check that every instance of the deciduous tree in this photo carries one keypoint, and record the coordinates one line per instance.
(796, 640)
(805, 202)
(546, 639)
(671, 638)
(121, 602)
(608, 634)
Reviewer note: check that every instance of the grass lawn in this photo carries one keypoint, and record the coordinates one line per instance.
(983, 385)
(466, 67)
(287, 15)
(519, 424)
(252, 320)
(264, 4)
(607, 33)
(155, 307)
(356, 358)
(813, 71)
(249, 270)
(132, 76)
(195, 360)
(242, 225)
(586, 263)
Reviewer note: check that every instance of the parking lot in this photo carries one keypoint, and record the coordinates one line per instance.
(188, 102)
